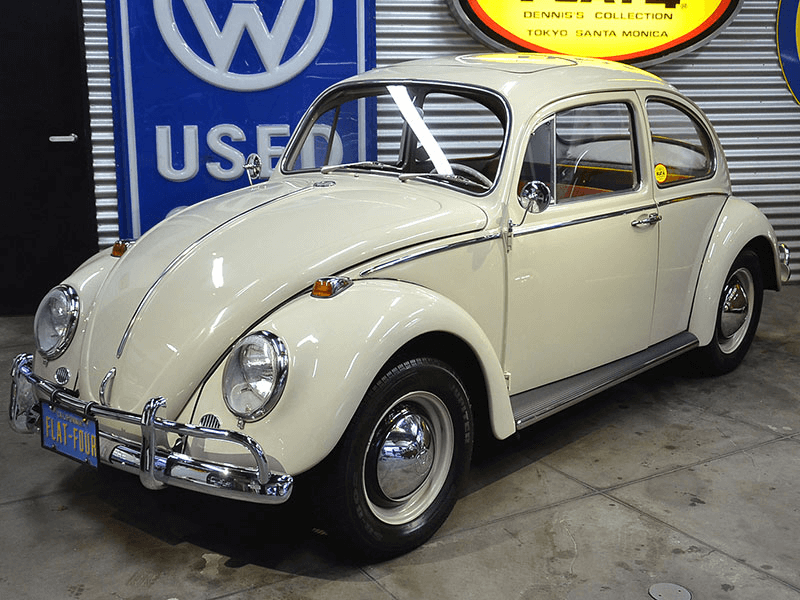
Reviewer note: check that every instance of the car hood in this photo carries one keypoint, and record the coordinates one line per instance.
(180, 296)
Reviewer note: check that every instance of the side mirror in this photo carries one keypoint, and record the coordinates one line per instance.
(253, 167)
(535, 197)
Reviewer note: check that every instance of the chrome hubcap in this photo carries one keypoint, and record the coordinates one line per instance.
(737, 310)
(405, 457)
(408, 458)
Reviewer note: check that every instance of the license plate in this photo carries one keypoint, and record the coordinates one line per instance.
(70, 434)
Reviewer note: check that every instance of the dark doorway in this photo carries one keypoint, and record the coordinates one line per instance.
(48, 221)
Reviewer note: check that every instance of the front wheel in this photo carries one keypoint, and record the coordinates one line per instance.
(737, 316)
(395, 473)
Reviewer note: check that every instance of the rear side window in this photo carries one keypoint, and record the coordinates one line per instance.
(682, 149)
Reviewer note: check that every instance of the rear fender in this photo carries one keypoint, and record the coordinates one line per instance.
(739, 225)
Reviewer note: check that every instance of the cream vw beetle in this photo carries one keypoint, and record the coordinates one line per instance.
(448, 247)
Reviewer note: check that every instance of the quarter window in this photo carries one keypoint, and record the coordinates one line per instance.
(586, 151)
(682, 149)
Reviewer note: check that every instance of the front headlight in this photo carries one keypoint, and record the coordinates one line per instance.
(255, 375)
(56, 320)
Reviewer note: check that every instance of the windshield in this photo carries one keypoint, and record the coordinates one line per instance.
(437, 133)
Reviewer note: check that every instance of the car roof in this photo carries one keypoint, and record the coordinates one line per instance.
(526, 77)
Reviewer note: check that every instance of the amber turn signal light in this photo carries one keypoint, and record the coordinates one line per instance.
(328, 287)
(120, 247)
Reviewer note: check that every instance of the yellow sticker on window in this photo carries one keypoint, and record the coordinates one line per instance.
(661, 173)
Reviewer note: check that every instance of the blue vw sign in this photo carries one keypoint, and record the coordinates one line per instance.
(222, 44)
(203, 83)
(789, 44)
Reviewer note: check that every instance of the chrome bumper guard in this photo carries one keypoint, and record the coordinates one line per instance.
(783, 258)
(157, 467)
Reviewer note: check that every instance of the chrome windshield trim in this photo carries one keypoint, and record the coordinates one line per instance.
(183, 256)
(293, 148)
(428, 252)
(568, 223)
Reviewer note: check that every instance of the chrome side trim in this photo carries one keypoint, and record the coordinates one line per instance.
(156, 465)
(551, 226)
(183, 256)
(428, 252)
(534, 405)
(681, 199)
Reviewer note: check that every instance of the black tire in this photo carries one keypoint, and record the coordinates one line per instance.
(395, 474)
(738, 313)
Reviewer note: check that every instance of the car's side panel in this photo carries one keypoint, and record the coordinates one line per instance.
(581, 287)
(469, 271)
(582, 275)
(337, 347)
(738, 224)
(688, 210)
(685, 227)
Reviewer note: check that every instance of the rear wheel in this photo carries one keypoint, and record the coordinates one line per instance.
(738, 314)
(396, 471)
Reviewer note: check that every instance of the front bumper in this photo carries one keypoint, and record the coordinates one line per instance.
(156, 465)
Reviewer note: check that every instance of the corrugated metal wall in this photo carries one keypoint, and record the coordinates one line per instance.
(735, 78)
(101, 121)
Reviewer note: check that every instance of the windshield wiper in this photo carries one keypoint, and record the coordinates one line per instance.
(448, 177)
(364, 164)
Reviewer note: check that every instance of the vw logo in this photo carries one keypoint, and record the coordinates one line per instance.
(222, 42)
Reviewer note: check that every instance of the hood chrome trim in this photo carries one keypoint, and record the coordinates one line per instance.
(184, 255)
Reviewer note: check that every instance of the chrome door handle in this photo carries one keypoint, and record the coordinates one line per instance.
(64, 139)
(650, 219)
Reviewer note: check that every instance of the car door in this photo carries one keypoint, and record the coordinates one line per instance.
(683, 164)
(582, 274)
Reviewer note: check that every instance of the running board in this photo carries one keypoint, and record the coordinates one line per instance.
(534, 405)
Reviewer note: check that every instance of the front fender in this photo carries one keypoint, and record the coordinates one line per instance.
(739, 224)
(86, 280)
(337, 346)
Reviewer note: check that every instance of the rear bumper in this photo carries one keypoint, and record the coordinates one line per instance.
(157, 466)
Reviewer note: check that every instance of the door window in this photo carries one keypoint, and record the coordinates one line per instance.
(586, 151)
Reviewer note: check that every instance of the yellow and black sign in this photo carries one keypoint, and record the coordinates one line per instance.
(624, 30)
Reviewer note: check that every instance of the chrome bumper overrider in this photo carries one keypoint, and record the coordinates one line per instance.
(783, 258)
(156, 466)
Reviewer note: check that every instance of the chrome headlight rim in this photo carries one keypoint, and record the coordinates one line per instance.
(73, 308)
(279, 355)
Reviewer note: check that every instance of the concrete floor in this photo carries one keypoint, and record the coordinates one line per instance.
(667, 478)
